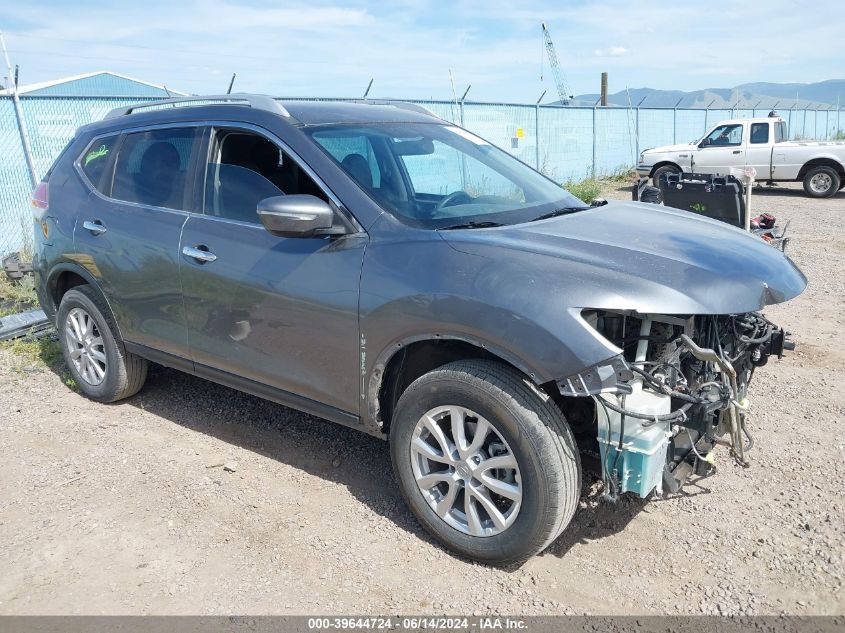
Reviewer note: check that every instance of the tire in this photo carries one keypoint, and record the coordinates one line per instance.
(123, 374)
(535, 436)
(665, 169)
(821, 182)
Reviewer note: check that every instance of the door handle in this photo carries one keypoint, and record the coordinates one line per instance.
(95, 226)
(199, 253)
(737, 151)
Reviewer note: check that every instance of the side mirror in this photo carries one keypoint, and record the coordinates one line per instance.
(705, 142)
(295, 216)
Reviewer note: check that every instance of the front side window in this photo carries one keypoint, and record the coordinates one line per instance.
(437, 175)
(152, 167)
(95, 161)
(724, 136)
(759, 133)
(244, 168)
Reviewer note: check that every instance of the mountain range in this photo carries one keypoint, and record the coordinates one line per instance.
(822, 94)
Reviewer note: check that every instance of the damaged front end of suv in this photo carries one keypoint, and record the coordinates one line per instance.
(676, 390)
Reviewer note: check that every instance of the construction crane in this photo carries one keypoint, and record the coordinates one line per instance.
(560, 80)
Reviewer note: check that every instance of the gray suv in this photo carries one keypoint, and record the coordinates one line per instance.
(376, 266)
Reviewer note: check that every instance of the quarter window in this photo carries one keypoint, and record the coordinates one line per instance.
(152, 167)
(95, 161)
(759, 133)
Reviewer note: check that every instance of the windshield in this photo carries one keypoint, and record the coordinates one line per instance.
(440, 176)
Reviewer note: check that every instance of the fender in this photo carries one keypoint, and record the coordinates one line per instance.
(372, 386)
(72, 264)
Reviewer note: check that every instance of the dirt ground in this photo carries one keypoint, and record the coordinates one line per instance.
(127, 509)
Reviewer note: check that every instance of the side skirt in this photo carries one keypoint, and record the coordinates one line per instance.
(246, 385)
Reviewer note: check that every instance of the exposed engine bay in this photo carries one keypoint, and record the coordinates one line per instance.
(676, 391)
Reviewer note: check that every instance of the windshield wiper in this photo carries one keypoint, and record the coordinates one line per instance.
(561, 211)
(471, 225)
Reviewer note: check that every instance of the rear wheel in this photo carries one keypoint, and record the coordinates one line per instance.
(485, 461)
(93, 351)
(821, 182)
(660, 171)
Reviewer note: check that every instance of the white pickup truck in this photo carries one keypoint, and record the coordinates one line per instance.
(759, 143)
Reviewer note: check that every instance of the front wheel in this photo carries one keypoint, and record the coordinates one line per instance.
(661, 171)
(821, 182)
(485, 461)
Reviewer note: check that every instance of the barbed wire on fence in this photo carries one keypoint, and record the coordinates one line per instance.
(565, 143)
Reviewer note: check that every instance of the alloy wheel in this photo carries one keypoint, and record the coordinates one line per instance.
(466, 471)
(85, 346)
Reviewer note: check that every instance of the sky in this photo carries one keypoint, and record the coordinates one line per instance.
(410, 47)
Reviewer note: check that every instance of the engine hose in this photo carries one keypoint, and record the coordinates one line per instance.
(750, 444)
(749, 340)
(665, 390)
(676, 415)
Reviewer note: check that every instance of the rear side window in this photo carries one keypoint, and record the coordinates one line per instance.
(759, 133)
(152, 167)
(95, 161)
(780, 132)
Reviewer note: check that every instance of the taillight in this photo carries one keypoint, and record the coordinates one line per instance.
(40, 197)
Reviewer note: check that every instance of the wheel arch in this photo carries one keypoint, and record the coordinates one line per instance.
(409, 358)
(664, 163)
(822, 161)
(67, 275)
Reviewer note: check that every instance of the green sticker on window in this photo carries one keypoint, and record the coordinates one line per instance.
(101, 151)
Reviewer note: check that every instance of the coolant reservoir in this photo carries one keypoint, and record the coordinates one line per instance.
(639, 465)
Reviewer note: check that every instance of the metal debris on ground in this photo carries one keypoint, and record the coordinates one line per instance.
(31, 323)
(14, 268)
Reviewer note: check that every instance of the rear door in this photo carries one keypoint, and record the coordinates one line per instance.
(758, 153)
(128, 237)
(720, 150)
(281, 312)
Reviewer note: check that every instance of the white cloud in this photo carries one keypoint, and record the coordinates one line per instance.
(613, 51)
(328, 47)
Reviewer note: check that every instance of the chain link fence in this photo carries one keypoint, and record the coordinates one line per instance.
(569, 143)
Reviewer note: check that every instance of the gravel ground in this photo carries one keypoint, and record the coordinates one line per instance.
(193, 498)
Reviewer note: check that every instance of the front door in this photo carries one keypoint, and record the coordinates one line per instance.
(129, 235)
(720, 150)
(278, 311)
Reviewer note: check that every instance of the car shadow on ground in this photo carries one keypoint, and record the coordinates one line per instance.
(598, 517)
(355, 460)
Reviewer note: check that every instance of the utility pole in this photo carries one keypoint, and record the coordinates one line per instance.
(27, 148)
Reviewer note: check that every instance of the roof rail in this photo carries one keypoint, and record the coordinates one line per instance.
(259, 102)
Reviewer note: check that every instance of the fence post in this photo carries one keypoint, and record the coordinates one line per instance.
(22, 130)
(675, 125)
(637, 155)
(594, 142)
(537, 136)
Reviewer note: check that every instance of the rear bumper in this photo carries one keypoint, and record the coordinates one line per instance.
(644, 170)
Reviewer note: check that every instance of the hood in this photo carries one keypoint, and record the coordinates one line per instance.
(680, 147)
(636, 256)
